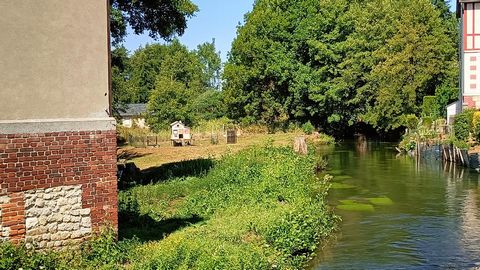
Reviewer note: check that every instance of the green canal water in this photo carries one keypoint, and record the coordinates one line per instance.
(398, 213)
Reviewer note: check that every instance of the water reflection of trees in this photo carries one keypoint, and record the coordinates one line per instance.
(462, 200)
(435, 214)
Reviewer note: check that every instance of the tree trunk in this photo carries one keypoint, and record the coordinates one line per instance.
(300, 146)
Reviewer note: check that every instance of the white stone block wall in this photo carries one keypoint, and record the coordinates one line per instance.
(54, 217)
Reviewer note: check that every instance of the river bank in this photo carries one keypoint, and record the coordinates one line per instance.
(261, 208)
(250, 211)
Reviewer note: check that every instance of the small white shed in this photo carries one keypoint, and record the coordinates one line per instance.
(181, 134)
(452, 110)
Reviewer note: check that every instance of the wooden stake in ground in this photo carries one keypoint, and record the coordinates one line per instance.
(300, 145)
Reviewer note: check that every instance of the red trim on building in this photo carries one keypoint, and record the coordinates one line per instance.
(469, 102)
(473, 34)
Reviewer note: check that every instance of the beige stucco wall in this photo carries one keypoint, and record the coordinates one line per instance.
(53, 59)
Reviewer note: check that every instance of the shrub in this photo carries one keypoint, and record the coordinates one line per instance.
(102, 252)
(308, 128)
(476, 126)
(410, 121)
(15, 257)
(463, 125)
(427, 122)
(430, 107)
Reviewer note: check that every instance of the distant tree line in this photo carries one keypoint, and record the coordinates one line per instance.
(176, 83)
(336, 63)
(341, 63)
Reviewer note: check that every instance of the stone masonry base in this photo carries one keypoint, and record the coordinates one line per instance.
(57, 188)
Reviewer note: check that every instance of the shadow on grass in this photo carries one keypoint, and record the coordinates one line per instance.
(130, 154)
(132, 176)
(147, 229)
(196, 167)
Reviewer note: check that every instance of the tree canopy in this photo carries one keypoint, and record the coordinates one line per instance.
(339, 63)
(175, 82)
(160, 18)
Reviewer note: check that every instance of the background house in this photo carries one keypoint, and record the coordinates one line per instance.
(134, 115)
(468, 11)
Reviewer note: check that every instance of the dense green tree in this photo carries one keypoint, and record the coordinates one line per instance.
(158, 71)
(169, 102)
(339, 63)
(160, 18)
(172, 60)
(184, 66)
(209, 105)
(145, 67)
(411, 60)
(120, 85)
(211, 63)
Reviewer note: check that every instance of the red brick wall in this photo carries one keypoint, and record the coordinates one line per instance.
(38, 161)
(13, 216)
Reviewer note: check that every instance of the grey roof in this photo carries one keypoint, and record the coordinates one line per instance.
(136, 109)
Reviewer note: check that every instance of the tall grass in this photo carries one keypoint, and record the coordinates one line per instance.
(101, 252)
(260, 209)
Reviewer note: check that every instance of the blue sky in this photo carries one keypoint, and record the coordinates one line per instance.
(217, 19)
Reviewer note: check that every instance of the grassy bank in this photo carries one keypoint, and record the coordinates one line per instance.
(262, 208)
(259, 209)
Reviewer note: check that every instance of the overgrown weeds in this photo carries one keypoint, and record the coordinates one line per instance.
(101, 252)
(260, 209)
(263, 208)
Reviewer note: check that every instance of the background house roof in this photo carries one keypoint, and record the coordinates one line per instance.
(135, 109)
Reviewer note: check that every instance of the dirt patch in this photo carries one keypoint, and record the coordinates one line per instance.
(146, 158)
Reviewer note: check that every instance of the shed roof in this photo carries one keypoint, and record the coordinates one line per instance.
(134, 109)
(177, 123)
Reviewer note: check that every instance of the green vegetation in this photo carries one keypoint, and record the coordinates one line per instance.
(177, 84)
(366, 205)
(308, 128)
(251, 211)
(162, 19)
(351, 205)
(421, 130)
(335, 64)
(102, 252)
(463, 125)
(340, 63)
(247, 212)
(380, 201)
